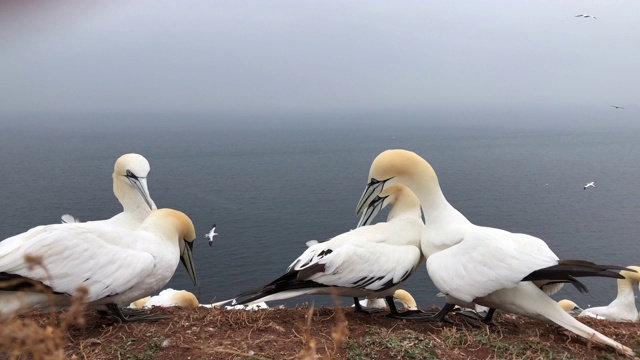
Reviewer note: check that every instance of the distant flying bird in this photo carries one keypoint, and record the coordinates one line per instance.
(617, 107)
(68, 219)
(591, 184)
(587, 16)
(211, 234)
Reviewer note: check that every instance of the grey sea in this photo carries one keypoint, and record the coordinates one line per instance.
(272, 185)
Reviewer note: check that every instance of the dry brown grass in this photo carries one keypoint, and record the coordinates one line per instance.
(305, 333)
(40, 337)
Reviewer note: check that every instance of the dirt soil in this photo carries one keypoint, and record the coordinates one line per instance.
(304, 333)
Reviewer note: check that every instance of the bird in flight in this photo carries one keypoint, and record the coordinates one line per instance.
(591, 184)
(211, 234)
(617, 107)
(587, 16)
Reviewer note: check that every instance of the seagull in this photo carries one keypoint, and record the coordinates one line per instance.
(586, 16)
(130, 188)
(370, 261)
(591, 184)
(211, 234)
(474, 264)
(617, 107)
(116, 265)
(168, 298)
(623, 307)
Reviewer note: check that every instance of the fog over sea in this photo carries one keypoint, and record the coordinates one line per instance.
(272, 185)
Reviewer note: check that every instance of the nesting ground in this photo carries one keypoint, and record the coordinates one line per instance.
(302, 333)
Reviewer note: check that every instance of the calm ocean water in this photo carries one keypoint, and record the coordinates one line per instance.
(271, 188)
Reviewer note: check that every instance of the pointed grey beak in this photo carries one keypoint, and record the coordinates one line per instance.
(372, 210)
(140, 183)
(186, 257)
(373, 189)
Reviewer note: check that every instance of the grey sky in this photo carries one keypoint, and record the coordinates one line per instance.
(262, 56)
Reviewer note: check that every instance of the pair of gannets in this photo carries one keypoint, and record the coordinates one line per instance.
(622, 308)
(486, 266)
(118, 260)
(370, 261)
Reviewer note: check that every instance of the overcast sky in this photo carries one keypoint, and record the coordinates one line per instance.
(313, 56)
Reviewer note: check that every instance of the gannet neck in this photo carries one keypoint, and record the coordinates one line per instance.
(408, 168)
(404, 202)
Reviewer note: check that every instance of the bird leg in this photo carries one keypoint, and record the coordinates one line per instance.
(405, 315)
(369, 311)
(130, 315)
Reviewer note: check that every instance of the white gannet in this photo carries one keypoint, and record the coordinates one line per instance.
(570, 307)
(487, 266)
(586, 16)
(115, 264)
(130, 188)
(591, 184)
(623, 307)
(370, 261)
(167, 298)
(211, 234)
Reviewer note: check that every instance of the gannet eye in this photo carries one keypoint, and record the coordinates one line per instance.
(131, 175)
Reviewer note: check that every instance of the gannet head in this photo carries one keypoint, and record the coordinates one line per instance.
(181, 227)
(139, 304)
(130, 172)
(185, 299)
(633, 277)
(398, 195)
(406, 299)
(570, 307)
(393, 166)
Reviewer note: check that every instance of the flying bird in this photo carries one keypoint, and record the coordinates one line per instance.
(617, 107)
(587, 16)
(591, 184)
(474, 264)
(211, 234)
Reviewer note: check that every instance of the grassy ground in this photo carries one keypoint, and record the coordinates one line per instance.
(300, 333)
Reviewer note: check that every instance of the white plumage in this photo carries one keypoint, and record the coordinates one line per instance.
(623, 307)
(115, 264)
(370, 261)
(475, 264)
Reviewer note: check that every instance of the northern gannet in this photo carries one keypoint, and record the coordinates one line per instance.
(370, 261)
(487, 266)
(591, 184)
(168, 298)
(623, 307)
(211, 234)
(115, 265)
(570, 307)
(130, 188)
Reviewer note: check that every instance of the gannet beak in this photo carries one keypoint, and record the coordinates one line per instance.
(140, 183)
(373, 209)
(373, 189)
(186, 257)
